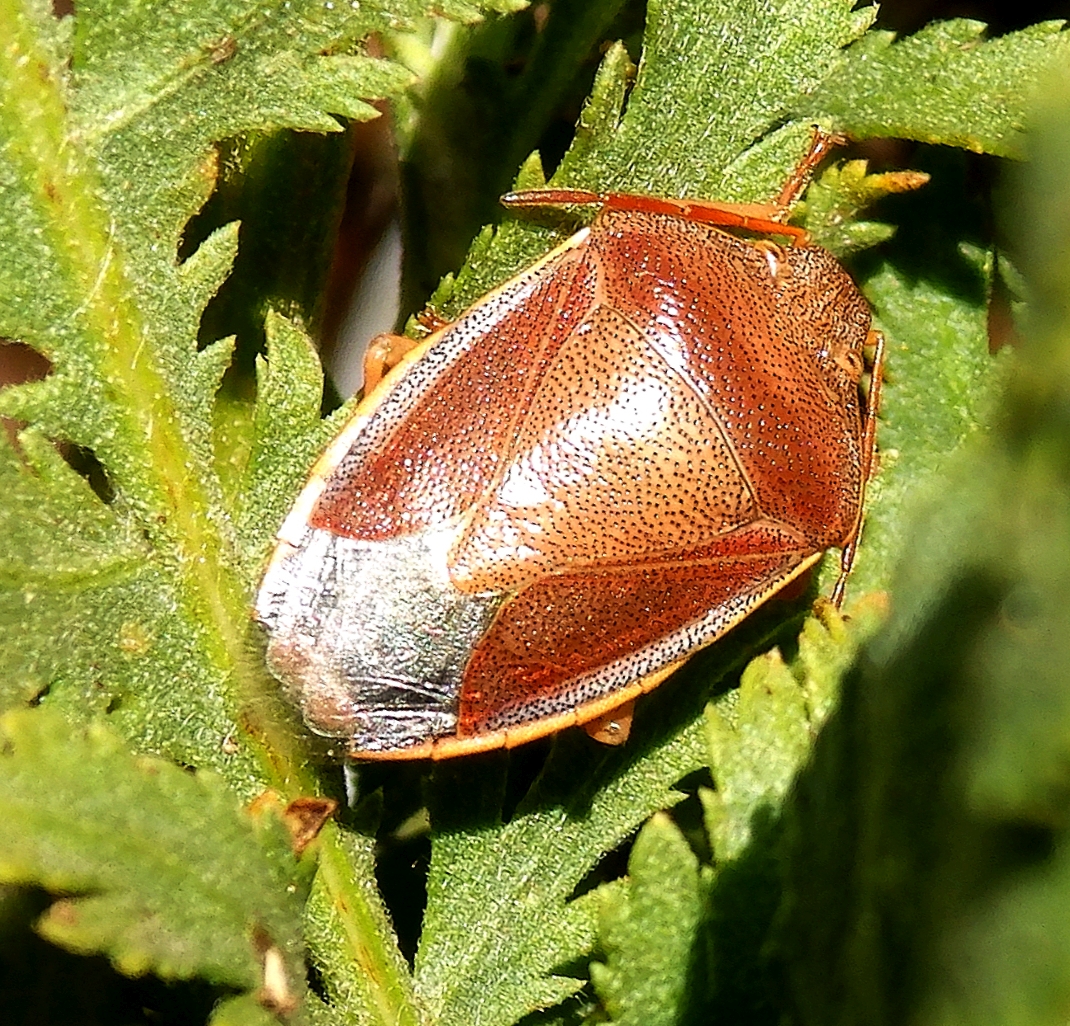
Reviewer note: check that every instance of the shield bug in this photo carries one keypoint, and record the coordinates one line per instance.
(602, 465)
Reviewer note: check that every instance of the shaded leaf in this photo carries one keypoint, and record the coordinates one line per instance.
(241, 1011)
(685, 942)
(928, 866)
(651, 932)
(149, 857)
(759, 735)
(945, 84)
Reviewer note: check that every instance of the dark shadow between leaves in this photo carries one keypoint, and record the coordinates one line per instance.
(933, 222)
(43, 985)
(733, 977)
(579, 1010)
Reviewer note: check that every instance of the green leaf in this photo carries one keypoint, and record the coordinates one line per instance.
(699, 63)
(651, 932)
(131, 602)
(287, 433)
(241, 1011)
(835, 201)
(945, 84)
(484, 958)
(760, 734)
(498, 922)
(941, 387)
(350, 933)
(927, 867)
(148, 855)
(136, 606)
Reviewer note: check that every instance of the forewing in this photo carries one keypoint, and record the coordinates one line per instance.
(573, 638)
(617, 460)
(434, 445)
(754, 332)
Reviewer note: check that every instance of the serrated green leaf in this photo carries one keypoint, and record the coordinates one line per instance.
(760, 734)
(708, 59)
(940, 387)
(138, 608)
(147, 854)
(497, 921)
(601, 112)
(835, 201)
(945, 84)
(651, 932)
(928, 868)
(287, 432)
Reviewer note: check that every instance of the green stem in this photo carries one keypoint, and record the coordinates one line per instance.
(362, 967)
(165, 485)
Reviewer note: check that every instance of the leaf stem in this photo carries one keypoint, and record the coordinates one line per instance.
(145, 440)
(369, 965)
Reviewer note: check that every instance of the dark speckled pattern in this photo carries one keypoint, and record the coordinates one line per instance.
(628, 447)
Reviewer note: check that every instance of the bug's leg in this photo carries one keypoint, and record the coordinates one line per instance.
(821, 145)
(384, 352)
(766, 218)
(869, 438)
(431, 320)
(613, 727)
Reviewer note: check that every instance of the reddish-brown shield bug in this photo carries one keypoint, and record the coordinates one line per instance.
(601, 466)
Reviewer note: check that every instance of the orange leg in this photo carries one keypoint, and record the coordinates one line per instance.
(766, 218)
(756, 217)
(612, 728)
(384, 352)
(821, 145)
(869, 439)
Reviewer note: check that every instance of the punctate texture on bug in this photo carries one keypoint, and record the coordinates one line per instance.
(599, 467)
